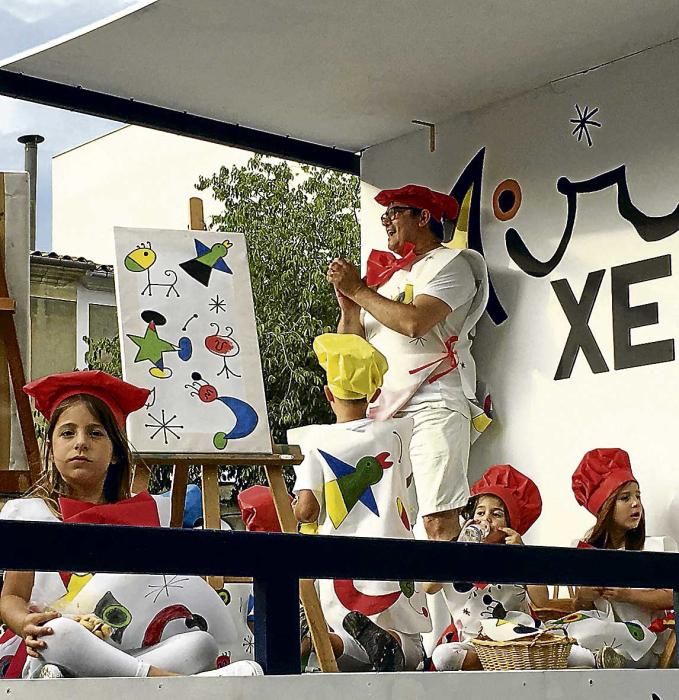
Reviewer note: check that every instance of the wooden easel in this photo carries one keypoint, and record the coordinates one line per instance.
(282, 455)
(10, 341)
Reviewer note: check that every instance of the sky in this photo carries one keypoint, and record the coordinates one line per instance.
(25, 24)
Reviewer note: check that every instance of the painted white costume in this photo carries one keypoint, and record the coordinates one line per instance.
(358, 472)
(433, 378)
(147, 613)
(623, 626)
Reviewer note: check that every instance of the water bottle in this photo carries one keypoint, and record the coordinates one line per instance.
(474, 532)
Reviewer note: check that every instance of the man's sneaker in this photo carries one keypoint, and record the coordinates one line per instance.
(50, 671)
(383, 650)
(608, 657)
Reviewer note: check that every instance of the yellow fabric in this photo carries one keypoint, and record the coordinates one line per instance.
(334, 503)
(355, 369)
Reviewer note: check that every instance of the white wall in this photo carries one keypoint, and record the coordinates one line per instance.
(543, 426)
(131, 177)
(529, 685)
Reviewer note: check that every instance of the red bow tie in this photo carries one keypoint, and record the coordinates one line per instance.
(382, 264)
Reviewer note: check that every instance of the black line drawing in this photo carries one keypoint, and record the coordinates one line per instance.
(159, 589)
(185, 326)
(151, 398)
(583, 122)
(216, 304)
(224, 346)
(418, 341)
(471, 178)
(164, 425)
(142, 259)
(649, 228)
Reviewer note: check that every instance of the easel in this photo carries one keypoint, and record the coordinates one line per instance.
(10, 341)
(282, 455)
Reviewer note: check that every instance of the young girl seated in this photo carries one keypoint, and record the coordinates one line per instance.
(86, 479)
(509, 503)
(613, 622)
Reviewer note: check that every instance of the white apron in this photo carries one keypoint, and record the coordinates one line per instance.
(413, 363)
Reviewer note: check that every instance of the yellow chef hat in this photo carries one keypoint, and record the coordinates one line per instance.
(354, 367)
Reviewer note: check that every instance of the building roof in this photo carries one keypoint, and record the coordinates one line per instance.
(70, 261)
(346, 75)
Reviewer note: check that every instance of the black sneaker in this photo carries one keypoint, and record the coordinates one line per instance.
(383, 650)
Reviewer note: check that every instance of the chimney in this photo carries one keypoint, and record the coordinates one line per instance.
(31, 142)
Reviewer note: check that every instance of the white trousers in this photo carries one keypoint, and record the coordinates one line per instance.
(80, 653)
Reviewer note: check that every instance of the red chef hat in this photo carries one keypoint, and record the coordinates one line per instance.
(122, 398)
(257, 510)
(440, 206)
(519, 494)
(600, 473)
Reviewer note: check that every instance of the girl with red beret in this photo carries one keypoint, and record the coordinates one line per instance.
(508, 502)
(613, 622)
(87, 479)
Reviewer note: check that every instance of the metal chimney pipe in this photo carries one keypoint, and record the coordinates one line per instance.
(31, 142)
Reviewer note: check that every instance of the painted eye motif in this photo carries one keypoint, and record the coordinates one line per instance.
(506, 200)
(114, 614)
(225, 596)
(636, 631)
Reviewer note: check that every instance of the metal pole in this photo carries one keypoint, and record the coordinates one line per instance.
(277, 646)
(31, 142)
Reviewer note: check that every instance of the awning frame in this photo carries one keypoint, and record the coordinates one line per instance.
(130, 111)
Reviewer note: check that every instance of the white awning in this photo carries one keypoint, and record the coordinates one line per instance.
(344, 73)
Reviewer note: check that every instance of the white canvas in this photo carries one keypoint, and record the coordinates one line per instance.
(188, 333)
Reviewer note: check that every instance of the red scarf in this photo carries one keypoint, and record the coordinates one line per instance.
(139, 510)
(382, 264)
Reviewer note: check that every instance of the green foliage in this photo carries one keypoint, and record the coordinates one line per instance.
(104, 354)
(295, 222)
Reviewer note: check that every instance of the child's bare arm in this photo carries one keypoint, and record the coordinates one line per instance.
(306, 507)
(17, 614)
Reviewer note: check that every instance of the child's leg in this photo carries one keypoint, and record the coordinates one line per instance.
(81, 654)
(353, 658)
(412, 648)
(455, 656)
(185, 654)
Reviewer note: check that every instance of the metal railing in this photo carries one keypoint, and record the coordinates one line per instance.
(277, 562)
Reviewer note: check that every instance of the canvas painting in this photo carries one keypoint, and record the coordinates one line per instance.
(187, 333)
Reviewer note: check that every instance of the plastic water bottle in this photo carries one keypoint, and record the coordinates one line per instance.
(474, 532)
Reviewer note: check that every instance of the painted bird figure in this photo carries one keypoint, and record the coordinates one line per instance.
(353, 484)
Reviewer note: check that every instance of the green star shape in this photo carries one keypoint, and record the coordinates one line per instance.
(151, 347)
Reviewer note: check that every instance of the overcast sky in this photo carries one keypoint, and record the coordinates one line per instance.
(23, 25)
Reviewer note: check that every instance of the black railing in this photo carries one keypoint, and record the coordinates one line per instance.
(277, 562)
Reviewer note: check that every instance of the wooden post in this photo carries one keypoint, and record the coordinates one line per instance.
(8, 336)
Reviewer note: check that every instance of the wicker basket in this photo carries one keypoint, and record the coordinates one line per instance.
(545, 651)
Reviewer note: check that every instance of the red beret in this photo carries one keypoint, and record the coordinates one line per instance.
(257, 510)
(600, 473)
(440, 206)
(519, 494)
(122, 398)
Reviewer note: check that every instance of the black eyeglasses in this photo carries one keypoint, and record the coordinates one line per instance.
(392, 212)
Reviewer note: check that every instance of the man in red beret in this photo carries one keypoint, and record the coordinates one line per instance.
(420, 309)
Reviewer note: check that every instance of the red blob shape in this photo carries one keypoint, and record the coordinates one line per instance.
(218, 345)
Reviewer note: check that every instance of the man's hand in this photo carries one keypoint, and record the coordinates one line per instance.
(34, 628)
(621, 595)
(345, 277)
(587, 595)
(347, 306)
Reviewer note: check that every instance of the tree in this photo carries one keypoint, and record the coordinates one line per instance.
(295, 222)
